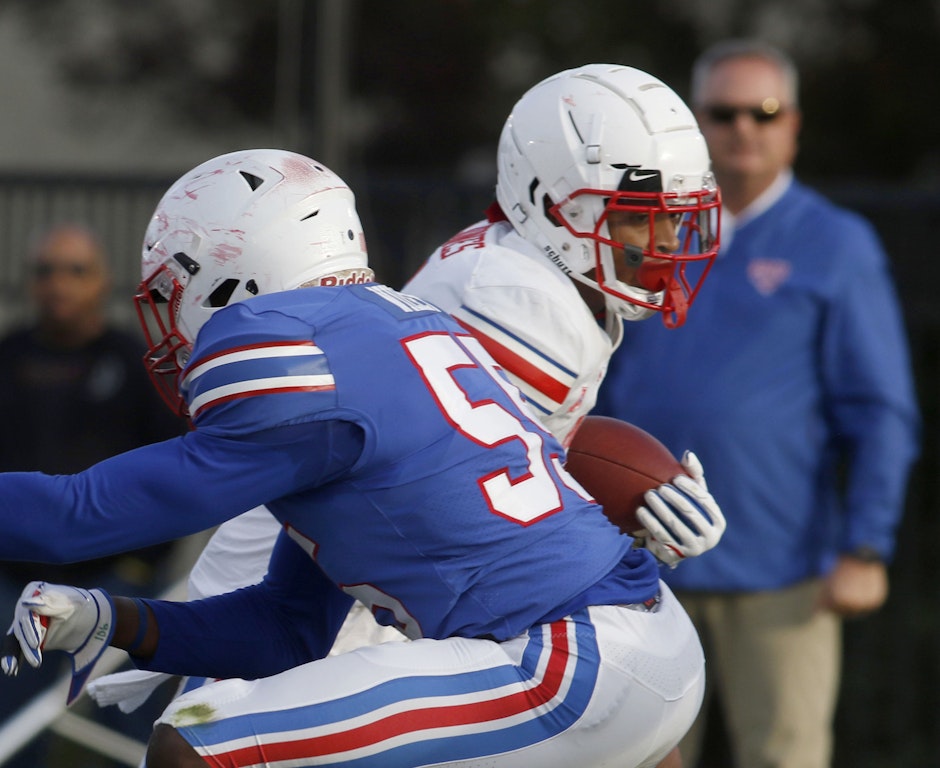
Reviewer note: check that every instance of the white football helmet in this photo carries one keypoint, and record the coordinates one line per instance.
(240, 225)
(599, 138)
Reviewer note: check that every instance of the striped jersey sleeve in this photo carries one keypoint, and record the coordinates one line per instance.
(527, 314)
(543, 380)
(240, 380)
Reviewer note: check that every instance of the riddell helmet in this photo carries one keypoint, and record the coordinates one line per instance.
(604, 138)
(240, 225)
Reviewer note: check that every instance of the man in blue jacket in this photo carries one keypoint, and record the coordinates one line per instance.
(791, 381)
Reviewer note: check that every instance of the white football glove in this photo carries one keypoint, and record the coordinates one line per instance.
(681, 519)
(56, 617)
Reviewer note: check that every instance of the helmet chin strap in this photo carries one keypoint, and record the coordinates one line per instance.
(655, 275)
(676, 298)
(660, 276)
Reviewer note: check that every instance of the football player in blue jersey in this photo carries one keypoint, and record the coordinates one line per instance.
(406, 473)
(547, 302)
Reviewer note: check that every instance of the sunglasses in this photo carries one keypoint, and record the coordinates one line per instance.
(767, 112)
(45, 270)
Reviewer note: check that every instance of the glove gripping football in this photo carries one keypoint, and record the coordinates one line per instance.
(681, 519)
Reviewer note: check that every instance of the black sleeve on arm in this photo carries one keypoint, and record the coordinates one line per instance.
(290, 618)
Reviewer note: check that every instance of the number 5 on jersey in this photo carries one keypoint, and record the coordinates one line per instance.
(441, 358)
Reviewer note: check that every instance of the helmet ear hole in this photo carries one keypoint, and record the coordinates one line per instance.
(547, 205)
(222, 293)
(253, 181)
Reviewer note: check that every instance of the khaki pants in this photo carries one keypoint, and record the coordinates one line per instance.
(775, 662)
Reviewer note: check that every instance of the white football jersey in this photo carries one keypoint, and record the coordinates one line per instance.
(528, 315)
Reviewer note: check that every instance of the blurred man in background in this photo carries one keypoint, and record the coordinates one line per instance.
(73, 391)
(792, 382)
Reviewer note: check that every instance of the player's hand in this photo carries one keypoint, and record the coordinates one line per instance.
(681, 519)
(56, 617)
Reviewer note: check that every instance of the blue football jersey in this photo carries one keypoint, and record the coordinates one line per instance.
(391, 448)
(437, 536)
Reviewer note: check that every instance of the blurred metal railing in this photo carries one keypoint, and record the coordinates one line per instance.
(412, 215)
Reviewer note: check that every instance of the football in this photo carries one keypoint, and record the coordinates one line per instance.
(617, 462)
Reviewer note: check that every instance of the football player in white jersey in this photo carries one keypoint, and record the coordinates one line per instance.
(606, 210)
(590, 159)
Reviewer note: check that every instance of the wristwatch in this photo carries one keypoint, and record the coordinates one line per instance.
(866, 554)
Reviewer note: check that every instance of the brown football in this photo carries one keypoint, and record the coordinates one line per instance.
(617, 462)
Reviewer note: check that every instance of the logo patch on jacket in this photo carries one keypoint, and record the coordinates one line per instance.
(767, 275)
